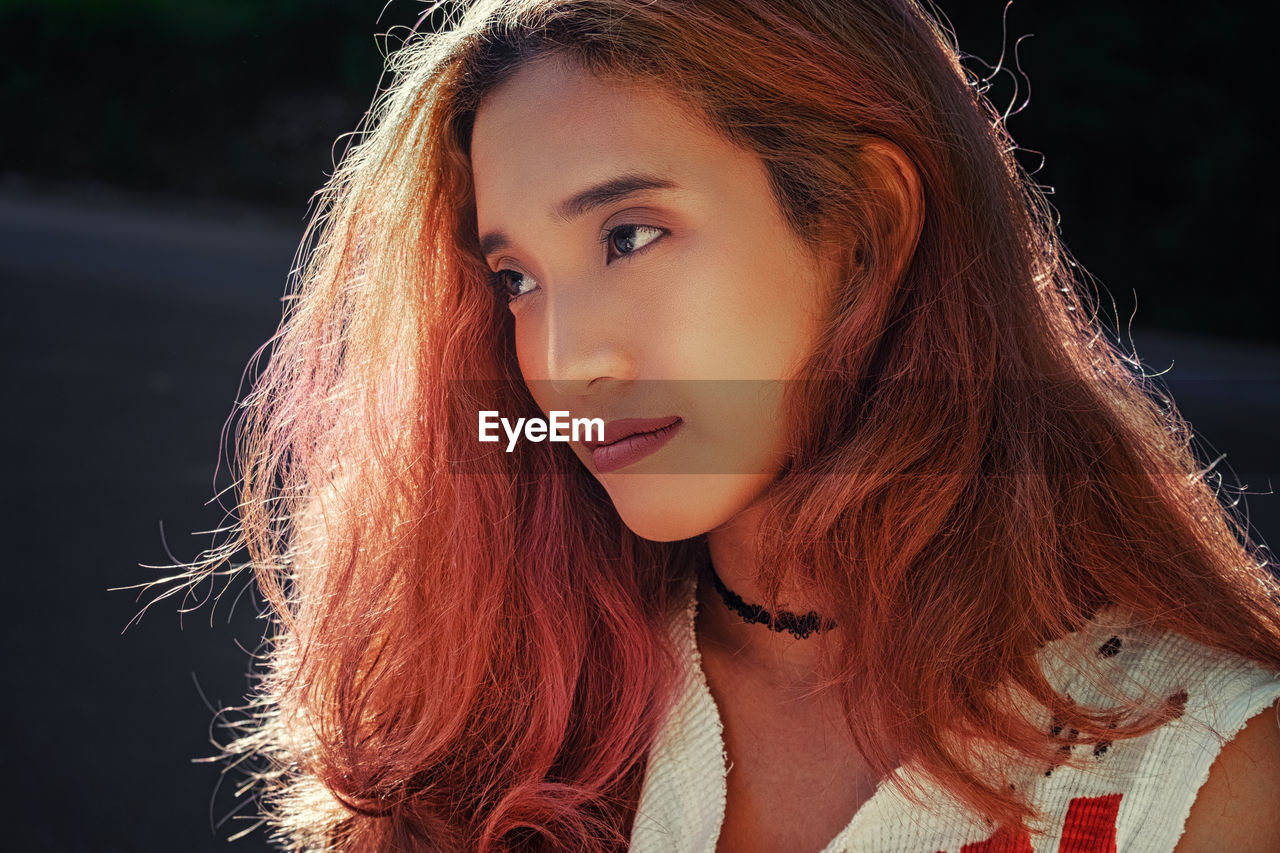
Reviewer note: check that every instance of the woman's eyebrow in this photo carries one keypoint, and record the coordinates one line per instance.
(583, 202)
(608, 192)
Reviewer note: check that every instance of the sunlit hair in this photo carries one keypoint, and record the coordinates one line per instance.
(470, 649)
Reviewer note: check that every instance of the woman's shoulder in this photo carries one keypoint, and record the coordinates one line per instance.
(1142, 790)
(1236, 807)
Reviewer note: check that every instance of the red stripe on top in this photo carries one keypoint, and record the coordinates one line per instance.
(1001, 842)
(1090, 825)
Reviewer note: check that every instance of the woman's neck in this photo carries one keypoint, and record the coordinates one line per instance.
(778, 659)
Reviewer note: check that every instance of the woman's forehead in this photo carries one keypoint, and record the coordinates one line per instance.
(555, 129)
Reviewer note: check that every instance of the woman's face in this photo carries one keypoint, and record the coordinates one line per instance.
(653, 276)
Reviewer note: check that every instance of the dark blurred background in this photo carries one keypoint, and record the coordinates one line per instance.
(156, 162)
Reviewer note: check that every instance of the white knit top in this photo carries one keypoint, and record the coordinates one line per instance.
(1132, 796)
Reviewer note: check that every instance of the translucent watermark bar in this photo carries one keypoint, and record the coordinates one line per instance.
(747, 426)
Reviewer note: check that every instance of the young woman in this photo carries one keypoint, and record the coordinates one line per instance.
(884, 546)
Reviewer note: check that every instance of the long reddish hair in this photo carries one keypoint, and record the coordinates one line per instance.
(470, 650)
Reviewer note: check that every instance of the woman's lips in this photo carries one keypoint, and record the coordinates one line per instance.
(635, 439)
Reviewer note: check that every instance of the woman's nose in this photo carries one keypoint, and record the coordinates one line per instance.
(585, 343)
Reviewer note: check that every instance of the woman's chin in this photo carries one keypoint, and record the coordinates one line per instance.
(668, 508)
(662, 528)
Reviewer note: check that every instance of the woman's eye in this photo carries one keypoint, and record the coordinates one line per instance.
(622, 240)
(626, 239)
(511, 284)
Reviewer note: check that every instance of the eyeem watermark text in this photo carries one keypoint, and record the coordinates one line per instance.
(537, 429)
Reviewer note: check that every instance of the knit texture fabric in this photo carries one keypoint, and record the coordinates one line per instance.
(1132, 796)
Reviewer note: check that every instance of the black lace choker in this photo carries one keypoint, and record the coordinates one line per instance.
(783, 620)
